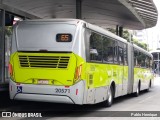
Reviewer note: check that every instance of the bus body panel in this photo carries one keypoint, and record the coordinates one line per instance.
(32, 68)
(144, 76)
(99, 75)
(48, 93)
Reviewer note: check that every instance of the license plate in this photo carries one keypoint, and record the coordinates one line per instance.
(43, 82)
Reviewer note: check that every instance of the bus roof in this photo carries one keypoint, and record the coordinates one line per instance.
(66, 20)
(142, 50)
(76, 21)
(155, 51)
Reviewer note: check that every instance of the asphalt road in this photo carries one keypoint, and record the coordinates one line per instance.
(148, 103)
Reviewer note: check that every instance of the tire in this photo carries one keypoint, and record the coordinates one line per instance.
(136, 94)
(149, 86)
(109, 101)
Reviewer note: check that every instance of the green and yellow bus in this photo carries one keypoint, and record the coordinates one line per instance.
(72, 61)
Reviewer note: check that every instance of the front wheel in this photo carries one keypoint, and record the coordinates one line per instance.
(109, 101)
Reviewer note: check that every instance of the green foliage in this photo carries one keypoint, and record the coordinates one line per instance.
(126, 35)
(8, 30)
(140, 44)
(111, 30)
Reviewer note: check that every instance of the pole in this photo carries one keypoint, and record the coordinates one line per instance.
(2, 46)
(130, 36)
(79, 9)
(158, 65)
(121, 31)
(117, 30)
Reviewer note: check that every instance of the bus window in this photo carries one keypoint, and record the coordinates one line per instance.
(108, 50)
(120, 53)
(147, 62)
(155, 56)
(150, 63)
(95, 47)
(125, 55)
(115, 51)
(143, 58)
(135, 58)
(139, 59)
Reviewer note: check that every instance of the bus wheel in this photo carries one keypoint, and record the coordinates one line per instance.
(149, 86)
(109, 101)
(136, 94)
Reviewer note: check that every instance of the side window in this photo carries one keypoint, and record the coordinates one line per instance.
(95, 47)
(121, 53)
(125, 55)
(136, 58)
(115, 52)
(150, 63)
(143, 58)
(155, 56)
(108, 46)
(139, 59)
(147, 62)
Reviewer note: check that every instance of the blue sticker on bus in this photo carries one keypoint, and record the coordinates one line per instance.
(19, 89)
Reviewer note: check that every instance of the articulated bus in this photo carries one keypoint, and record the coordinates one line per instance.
(72, 61)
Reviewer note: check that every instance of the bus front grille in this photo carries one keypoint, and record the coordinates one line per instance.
(44, 61)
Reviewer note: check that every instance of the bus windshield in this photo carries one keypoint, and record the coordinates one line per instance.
(45, 36)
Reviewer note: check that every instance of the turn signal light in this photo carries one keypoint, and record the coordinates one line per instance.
(78, 72)
(10, 69)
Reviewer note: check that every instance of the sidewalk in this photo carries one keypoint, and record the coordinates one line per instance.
(156, 80)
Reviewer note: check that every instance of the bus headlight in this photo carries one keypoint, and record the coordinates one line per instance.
(10, 69)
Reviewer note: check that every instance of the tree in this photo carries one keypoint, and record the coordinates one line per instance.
(140, 44)
(8, 30)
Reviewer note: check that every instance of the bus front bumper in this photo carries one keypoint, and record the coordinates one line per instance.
(48, 93)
